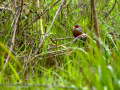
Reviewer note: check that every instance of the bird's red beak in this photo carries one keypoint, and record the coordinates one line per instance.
(74, 27)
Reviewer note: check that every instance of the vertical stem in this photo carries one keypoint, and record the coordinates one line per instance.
(96, 26)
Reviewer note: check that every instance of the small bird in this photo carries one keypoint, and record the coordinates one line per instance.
(77, 30)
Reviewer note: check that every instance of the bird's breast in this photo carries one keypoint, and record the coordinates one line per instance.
(77, 33)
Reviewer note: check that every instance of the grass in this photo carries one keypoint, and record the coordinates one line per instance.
(59, 64)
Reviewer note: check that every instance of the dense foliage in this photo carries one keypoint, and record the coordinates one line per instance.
(33, 58)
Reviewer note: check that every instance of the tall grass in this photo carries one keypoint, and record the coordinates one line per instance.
(60, 63)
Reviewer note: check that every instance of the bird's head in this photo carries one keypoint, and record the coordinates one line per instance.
(76, 26)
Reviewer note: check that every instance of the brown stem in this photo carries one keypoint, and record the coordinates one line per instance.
(96, 26)
(17, 14)
(110, 10)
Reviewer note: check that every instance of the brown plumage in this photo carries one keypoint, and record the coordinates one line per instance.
(77, 30)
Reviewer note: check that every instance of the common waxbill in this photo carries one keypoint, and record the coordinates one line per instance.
(77, 30)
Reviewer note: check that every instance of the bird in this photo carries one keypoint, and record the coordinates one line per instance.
(77, 30)
(81, 36)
